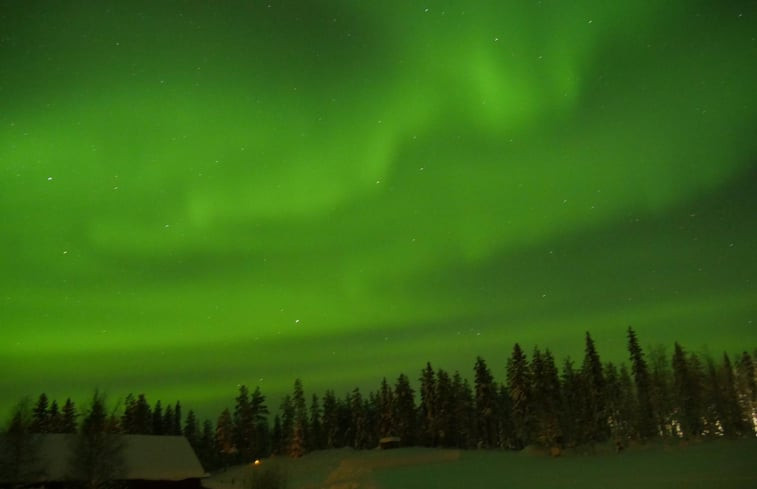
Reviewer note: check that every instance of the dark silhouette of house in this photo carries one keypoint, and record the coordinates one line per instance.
(148, 462)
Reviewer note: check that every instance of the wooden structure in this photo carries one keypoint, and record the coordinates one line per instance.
(148, 462)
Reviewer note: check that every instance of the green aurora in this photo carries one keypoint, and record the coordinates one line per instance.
(196, 195)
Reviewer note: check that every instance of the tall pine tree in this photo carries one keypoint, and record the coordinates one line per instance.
(594, 426)
(519, 390)
(644, 418)
(485, 405)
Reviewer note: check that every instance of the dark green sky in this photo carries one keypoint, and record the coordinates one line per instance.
(197, 195)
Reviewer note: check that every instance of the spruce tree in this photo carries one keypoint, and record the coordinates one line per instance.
(191, 431)
(68, 417)
(661, 380)
(142, 416)
(731, 419)
(386, 422)
(287, 424)
(40, 416)
(645, 416)
(157, 419)
(358, 422)
(298, 443)
(20, 457)
(177, 419)
(594, 423)
(370, 412)
(446, 423)
(168, 420)
(277, 436)
(54, 418)
(224, 438)
(259, 411)
(98, 455)
(571, 386)
(127, 418)
(427, 408)
(404, 411)
(545, 391)
(506, 437)
(330, 420)
(746, 387)
(621, 405)
(315, 434)
(207, 451)
(464, 412)
(485, 405)
(519, 391)
(686, 393)
(244, 425)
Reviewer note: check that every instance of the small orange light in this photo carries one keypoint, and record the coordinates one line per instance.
(256, 462)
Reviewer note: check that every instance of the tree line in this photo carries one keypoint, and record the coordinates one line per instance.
(655, 396)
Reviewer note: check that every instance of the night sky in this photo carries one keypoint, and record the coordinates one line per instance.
(199, 195)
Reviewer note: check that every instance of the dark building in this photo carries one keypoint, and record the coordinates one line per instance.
(148, 462)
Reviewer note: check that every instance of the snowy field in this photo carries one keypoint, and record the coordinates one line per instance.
(721, 465)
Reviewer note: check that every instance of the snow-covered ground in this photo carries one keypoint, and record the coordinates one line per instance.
(721, 465)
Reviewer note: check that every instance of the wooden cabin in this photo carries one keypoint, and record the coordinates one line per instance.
(148, 462)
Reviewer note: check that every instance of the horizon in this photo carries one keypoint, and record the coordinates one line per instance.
(198, 196)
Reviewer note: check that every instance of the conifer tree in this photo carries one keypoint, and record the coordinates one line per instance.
(127, 418)
(571, 386)
(404, 411)
(519, 391)
(287, 423)
(177, 419)
(142, 418)
(277, 436)
(746, 386)
(244, 425)
(168, 420)
(358, 421)
(594, 424)
(330, 420)
(68, 417)
(661, 391)
(485, 405)
(98, 455)
(259, 411)
(545, 389)
(370, 412)
(40, 416)
(731, 420)
(464, 412)
(157, 419)
(346, 421)
(427, 413)
(446, 423)
(315, 434)
(20, 457)
(224, 438)
(298, 442)
(644, 417)
(686, 392)
(54, 418)
(207, 451)
(190, 430)
(386, 423)
(621, 405)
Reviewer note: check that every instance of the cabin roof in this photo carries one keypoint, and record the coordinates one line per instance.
(146, 457)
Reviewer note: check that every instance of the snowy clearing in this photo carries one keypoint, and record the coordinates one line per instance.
(721, 464)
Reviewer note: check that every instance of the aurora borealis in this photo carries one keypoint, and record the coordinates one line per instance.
(196, 195)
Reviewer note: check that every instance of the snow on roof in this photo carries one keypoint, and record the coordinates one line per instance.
(146, 457)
